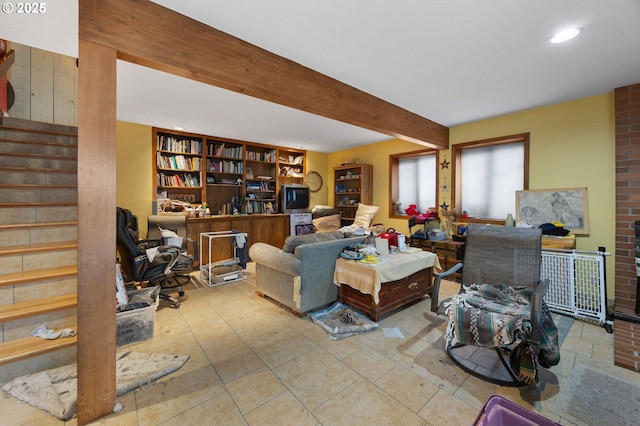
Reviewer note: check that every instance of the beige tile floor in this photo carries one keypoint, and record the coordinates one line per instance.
(253, 362)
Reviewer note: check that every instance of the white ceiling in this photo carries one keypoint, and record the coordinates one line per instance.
(452, 62)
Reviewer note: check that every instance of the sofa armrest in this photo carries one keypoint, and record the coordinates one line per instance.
(275, 258)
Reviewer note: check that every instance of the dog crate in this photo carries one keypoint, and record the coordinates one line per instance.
(577, 283)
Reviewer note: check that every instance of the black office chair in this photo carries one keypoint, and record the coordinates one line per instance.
(169, 267)
(500, 308)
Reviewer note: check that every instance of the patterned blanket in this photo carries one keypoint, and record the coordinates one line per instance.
(497, 316)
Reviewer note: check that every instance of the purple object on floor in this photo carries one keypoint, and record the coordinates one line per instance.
(498, 411)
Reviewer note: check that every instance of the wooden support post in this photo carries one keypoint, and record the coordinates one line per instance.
(96, 231)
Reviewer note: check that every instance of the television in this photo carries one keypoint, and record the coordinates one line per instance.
(294, 198)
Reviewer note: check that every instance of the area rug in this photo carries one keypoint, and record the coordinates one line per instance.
(55, 390)
(591, 397)
(342, 321)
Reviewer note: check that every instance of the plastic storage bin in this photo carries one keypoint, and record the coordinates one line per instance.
(137, 325)
(498, 411)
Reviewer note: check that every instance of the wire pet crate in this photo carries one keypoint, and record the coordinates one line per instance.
(577, 284)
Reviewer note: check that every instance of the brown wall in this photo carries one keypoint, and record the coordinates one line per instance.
(627, 333)
(627, 102)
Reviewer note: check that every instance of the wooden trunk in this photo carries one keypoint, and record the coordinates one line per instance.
(393, 295)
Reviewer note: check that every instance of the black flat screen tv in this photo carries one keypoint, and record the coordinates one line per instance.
(294, 198)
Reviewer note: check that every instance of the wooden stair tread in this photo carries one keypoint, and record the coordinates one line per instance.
(37, 248)
(37, 275)
(19, 186)
(38, 170)
(36, 142)
(19, 349)
(37, 307)
(37, 155)
(39, 204)
(38, 225)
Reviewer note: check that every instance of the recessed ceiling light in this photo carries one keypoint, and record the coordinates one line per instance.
(178, 128)
(565, 35)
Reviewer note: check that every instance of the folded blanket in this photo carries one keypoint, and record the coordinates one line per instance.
(494, 316)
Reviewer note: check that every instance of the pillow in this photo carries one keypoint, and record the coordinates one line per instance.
(327, 223)
(294, 241)
(364, 215)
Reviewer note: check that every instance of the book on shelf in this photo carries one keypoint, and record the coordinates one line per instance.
(223, 150)
(173, 144)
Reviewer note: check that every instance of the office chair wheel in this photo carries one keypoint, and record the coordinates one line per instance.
(181, 293)
(176, 305)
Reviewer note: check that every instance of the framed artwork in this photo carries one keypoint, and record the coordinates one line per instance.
(568, 206)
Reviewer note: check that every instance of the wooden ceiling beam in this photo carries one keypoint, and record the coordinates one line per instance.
(151, 35)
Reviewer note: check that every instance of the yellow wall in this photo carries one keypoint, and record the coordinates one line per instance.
(572, 145)
(378, 155)
(134, 174)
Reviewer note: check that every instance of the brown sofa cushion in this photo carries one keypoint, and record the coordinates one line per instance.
(327, 223)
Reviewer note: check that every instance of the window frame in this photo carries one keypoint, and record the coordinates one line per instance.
(394, 187)
(456, 172)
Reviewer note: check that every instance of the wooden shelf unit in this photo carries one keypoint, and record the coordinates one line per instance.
(230, 173)
(178, 165)
(353, 185)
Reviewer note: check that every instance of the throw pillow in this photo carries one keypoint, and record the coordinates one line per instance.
(327, 223)
(364, 215)
(294, 241)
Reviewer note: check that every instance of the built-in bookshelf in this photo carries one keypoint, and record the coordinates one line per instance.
(229, 175)
(291, 166)
(260, 179)
(178, 159)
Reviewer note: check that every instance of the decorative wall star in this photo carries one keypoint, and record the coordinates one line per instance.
(445, 186)
(444, 206)
(444, 164)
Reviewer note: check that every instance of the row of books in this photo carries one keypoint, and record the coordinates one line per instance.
(222, 150)
(173, 144)
(269, 156)
(261, 207)
(178, 162)
(224, 166)
(181, 180)
(259, 186)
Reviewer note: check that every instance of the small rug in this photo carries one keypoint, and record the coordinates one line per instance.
(55, 390)
(342, 321)
(590, 397)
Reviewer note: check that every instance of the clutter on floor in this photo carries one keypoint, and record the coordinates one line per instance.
(55, 390)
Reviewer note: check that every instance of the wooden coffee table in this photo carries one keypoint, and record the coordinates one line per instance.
(397, 281)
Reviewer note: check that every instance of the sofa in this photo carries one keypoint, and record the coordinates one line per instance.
(300, 275)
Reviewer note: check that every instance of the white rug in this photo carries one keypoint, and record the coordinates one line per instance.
(55, 390)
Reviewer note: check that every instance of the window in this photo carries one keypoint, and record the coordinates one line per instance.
(413, 181)
(487, 174)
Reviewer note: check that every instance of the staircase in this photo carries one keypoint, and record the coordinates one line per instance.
(38, 243)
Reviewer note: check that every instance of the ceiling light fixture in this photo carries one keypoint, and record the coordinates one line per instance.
(178, 128)
(565, 35)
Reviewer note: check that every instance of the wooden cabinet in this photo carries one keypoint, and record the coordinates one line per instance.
(178, 161)
(353, 185)
(272, 229)
(449, 252)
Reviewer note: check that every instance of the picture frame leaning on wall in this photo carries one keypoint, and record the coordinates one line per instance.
(568, 206)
